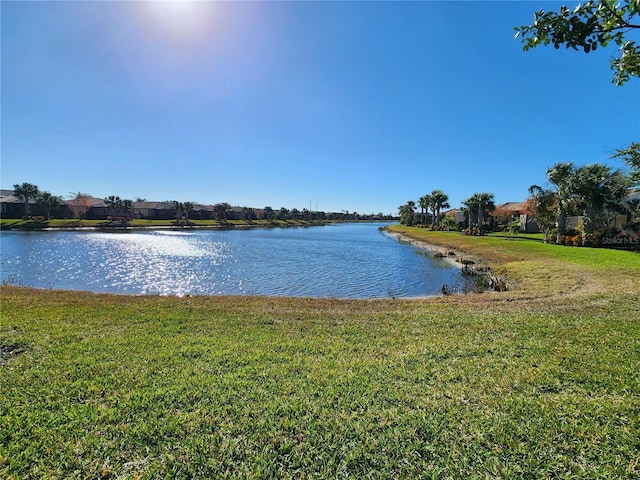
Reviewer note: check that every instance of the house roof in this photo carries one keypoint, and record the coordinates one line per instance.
(84, 202)
(514, 207)
(14, 199)
(152, 205)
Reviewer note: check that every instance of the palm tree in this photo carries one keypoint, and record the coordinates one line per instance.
(283, 213)
(407, 212)
(560, 175)
(470, 208)
(247, 211)
(79, 195)
(114, 202)
(425, 203)
(188, 206)
(477, 205)
(25, 191)
(268, 213)
(127, 206)
(485, 204)
(221, 210)
(48, 202)
(439, 200)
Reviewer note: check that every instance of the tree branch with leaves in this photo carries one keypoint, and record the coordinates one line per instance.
(588, 26)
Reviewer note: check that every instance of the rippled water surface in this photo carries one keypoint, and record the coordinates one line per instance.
(347, 260)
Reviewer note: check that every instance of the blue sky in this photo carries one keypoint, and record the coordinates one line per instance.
(356, 106)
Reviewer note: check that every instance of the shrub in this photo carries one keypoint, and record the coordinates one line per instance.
(577, 240)
(594, 239)
(561, 240)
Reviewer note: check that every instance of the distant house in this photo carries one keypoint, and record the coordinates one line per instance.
(519, 211)
(153, 210)
(12, 206)
(460, 217)
(90, 208)
(202, 212)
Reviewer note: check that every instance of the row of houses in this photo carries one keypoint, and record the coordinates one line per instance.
(93, 208)
(502, 215)
(519, 211)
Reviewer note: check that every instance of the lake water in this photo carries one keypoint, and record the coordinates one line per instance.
(341, 261)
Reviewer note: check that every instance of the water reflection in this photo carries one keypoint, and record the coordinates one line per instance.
(352, 260)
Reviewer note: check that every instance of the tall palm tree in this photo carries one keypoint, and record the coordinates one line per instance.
(127, 208)
(560, 176)
(25, 191)
(470, 208)
(425, 203)
(439, 200)
(188, 207)
(478, 204)
(485, 204)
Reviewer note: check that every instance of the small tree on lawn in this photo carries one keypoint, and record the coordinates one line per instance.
(543, 204)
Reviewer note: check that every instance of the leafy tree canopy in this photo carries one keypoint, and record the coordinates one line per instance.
(631, 156)
(588, 26)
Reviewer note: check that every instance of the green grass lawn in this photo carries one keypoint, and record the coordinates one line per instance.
(536, 382)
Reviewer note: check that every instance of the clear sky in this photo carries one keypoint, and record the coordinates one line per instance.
(356, 106)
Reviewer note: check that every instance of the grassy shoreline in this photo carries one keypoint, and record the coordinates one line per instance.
(537, 382)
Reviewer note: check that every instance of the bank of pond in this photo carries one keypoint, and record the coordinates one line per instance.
(346, 260)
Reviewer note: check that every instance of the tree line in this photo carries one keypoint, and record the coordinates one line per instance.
(121, 208)
(595, 192)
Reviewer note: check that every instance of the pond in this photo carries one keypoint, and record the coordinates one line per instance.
(352, 260)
